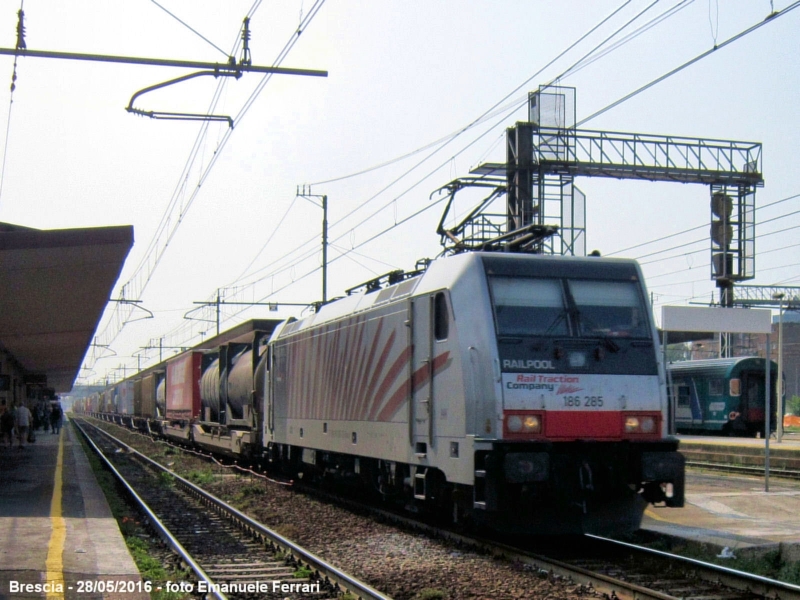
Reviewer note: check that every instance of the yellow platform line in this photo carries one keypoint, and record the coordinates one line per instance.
(650, 513)
(55, 549)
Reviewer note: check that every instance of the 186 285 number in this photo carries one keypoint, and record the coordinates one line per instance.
(583, 401)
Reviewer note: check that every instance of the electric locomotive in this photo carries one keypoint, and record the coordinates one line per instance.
(524, 392)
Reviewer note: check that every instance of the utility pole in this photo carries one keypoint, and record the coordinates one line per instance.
(217, 311)
(220, 302)
(779, 384)
(323, 198)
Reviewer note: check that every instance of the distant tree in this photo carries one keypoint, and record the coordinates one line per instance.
(793, 405)
(678, 352)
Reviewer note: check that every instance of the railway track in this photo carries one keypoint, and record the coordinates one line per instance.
(729, 456)
(231, 555)
(649, 573)
(618, 570)
(584, 567)
(743, 469)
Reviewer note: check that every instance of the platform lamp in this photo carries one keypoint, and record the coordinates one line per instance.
(779, 384)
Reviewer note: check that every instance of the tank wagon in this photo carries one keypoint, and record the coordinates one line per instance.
(519, 391)
(723, 396)
(209, 396)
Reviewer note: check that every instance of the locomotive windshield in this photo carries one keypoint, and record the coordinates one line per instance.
(574, 308)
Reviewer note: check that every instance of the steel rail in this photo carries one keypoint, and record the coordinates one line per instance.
(741, 580)
(610, 586)
(344, 580)
(162, 530)
(744, 469)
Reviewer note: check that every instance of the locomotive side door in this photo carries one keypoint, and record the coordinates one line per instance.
(421, 373)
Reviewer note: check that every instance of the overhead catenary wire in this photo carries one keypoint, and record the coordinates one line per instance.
(708, 264)
(672, 235)
(770, 18)
(561, 76)
(452, 136)
(480, 119)
(155, 251)
(190, 28)
(394, 199)
(299, 29)
(730, 40)
(670, 12)
(488, 112)
(20, 45)
(631, 95)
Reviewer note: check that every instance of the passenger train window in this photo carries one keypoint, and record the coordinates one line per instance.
(715, 387)
(684, 395)
(528, 306)
(441, 319)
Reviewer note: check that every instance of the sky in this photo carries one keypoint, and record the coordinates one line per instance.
(215, 210)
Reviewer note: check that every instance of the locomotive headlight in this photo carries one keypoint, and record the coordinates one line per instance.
(532, 424)
(640, 424)
(631, 424)
(522, 423)
(514, 423)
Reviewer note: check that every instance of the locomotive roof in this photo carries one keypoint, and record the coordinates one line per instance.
(444, 272)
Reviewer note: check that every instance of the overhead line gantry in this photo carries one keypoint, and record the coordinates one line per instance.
(546, 212)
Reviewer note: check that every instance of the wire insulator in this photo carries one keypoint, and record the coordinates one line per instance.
(246, 59)
(21, 30)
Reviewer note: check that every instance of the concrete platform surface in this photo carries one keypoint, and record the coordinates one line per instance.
(736, 512)
(789, 441)
(57, 535)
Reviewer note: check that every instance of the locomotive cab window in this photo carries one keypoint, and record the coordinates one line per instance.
(609, 308)
(441, 318)
(589, 308)
(528, 306)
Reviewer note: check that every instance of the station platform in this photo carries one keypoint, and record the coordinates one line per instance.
(56, 529)
(745, 454)
(745, 513)
(789, 441)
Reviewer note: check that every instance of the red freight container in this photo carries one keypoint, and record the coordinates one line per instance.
(183, 386)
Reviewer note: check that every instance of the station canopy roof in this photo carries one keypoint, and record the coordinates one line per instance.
(54, 287)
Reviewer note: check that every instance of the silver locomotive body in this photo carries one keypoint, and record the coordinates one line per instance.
(522, 391)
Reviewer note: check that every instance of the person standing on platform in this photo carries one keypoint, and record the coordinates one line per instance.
(6, 425)
(55, 418)
(22, 416)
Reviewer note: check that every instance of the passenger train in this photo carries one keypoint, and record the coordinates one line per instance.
(723, 396)
(520, 392)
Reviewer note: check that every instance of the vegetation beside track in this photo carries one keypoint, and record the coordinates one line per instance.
(770, 564)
